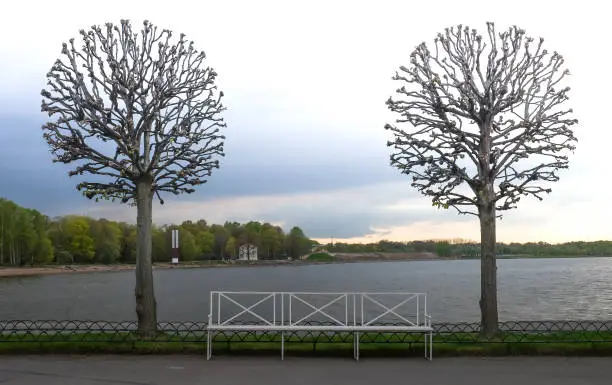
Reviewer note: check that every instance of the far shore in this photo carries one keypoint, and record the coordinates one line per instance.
(99, 268)
(24, 271)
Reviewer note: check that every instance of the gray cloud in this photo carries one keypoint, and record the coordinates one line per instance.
(347, 220)
(343, 213)
(44, 189)
(253, 165)
(346, 224)
(339, 213)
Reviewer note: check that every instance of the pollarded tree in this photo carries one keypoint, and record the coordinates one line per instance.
(140, 113)
(487, 125)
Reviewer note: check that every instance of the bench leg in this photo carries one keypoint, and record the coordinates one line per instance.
(430, 346)
(282, 346)
(209, 345)
(357, 346)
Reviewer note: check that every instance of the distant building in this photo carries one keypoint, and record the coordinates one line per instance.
(318, 249)
(247, 252)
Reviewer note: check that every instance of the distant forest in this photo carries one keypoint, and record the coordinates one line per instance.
(466, 249)
(28, 237)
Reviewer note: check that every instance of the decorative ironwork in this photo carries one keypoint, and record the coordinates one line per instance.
(295, 308)
(454, 333)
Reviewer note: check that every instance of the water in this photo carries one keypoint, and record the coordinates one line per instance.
(529, 289)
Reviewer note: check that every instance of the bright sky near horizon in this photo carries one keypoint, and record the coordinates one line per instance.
(306, 84)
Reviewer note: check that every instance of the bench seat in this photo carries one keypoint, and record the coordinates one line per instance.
(323, 328)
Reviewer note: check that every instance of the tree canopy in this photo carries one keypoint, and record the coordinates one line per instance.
(471, 249)
(28, 237)
(154, 99)
(484, 111)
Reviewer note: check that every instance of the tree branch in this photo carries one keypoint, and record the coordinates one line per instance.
(154, 100)
(500, 119)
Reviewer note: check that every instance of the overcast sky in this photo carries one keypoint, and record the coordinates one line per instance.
(306, 84)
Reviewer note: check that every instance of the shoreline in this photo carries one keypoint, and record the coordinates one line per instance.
(26, 271)
(29, 271)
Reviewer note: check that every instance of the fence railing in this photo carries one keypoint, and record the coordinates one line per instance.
(195, 332)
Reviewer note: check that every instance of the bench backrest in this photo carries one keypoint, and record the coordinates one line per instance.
(308, 308)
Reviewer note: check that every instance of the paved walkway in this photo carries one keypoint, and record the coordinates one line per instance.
(183, 370)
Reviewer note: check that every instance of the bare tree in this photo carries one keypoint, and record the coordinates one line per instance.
(141, 115)
(488, 126)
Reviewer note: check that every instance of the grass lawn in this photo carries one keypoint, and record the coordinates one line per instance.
(374, 344)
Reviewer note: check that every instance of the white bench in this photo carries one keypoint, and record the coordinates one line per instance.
(345, 312)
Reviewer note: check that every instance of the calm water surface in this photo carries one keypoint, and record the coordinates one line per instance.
(538, 289)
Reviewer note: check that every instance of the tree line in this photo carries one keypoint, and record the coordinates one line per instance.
(468, 249)
(28, 237)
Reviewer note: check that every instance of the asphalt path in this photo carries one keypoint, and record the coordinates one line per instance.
(183, 370)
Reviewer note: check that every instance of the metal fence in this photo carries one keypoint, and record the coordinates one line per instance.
(195, 332)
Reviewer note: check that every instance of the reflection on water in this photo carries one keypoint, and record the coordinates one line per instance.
(529, 289)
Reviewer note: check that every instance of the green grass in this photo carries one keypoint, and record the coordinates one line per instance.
(375, 344)
(320, 257)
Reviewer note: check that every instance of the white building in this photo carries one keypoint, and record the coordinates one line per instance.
(247, 252)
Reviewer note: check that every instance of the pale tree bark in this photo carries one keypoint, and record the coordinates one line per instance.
(485, 203)
(146, 306)
(2, 239)
(488, 270)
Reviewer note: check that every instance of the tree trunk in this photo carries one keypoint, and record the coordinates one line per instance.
(488, 270)
(2, 239)
(146, 307)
